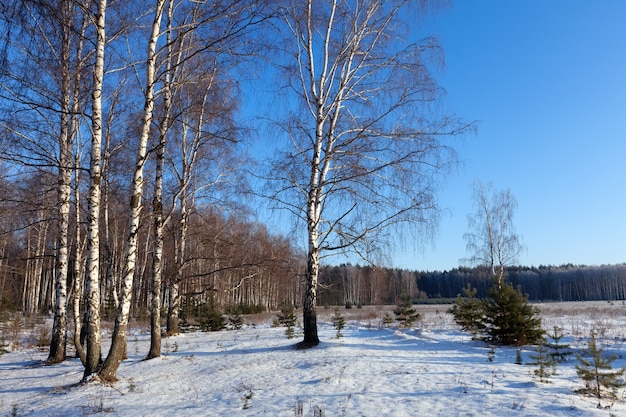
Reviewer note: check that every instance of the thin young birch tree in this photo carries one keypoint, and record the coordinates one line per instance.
(492, 240)
(79, 267)
(203, 98)
(365, 140)
(69, 105)
(93, 353)
(157, 199)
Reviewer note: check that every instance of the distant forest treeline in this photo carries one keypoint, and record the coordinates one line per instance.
(368, 285)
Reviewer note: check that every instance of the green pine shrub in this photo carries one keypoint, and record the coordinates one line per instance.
(211, 318)
(597, 372)
(339, 322)
(387, 319)
(235, 321)
(405, 313)
(287, 318)
(468, 311)
(558, 351)
(509, 319)
(503, 318)
(544, 364)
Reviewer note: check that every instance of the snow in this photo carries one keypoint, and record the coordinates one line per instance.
(431, 370)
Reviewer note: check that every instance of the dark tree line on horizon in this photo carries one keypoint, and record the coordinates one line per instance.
(364, 285)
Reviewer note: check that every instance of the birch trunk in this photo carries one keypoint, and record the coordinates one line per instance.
(189, 153)
(118, 344)
(59, 328)
(174, 289)
(157, 258)
(92, 286)
(79, 270)
(78, 276)
(157, 204)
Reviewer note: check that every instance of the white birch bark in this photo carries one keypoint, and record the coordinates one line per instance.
(79, 270)
(92, 286)
(59, 328)
(157, 204)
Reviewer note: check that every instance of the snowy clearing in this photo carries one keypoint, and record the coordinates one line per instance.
(431, 370)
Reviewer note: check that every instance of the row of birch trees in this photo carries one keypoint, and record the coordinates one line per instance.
(123, 116)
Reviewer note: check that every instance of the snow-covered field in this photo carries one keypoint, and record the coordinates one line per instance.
(431, 370)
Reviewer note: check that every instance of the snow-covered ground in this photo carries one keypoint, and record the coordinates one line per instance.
(431, 370)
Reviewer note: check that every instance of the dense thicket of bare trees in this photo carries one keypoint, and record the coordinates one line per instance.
(100, 89)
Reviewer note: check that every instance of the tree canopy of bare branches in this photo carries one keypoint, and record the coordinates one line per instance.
(491, 239)
(366, 136)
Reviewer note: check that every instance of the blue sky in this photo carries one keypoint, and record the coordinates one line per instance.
(546, 82)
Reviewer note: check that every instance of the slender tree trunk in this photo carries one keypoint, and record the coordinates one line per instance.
(59, 329)
(179, 261)
(78, 276)
(157, 258)
(4, 276)
(110, 280)
(173, 307)
(118, 344)
(157, 204)
(79, 271)
(92, 287)
(174, 288)
(41, 278)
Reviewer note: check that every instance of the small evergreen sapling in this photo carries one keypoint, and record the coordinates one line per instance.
(468, 311)
(509, 319)
(387, 319)
(212, 319)
(405, 312)
(503, 318)
(545, 366)
(339, 322)
(597, 372)
(558, 351)
(235, 321)
(288, 319)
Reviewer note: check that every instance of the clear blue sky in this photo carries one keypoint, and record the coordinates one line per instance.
(546, 81)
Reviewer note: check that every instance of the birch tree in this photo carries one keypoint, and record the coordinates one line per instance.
(79, 270)
(365, 139)
(79, 267)
(59, 328)
(157, 200)
(492, 240)
(92, 285)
